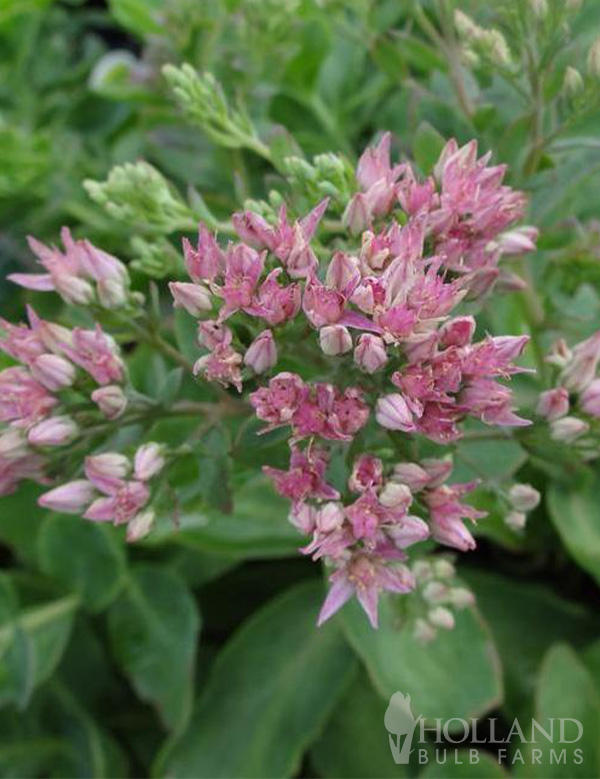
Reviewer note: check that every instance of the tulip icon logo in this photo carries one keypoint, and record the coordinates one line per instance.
(400, 721)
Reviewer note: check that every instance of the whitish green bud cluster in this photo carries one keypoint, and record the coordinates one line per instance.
(204, 103)
(329, 175)
(157, 259)
(481, 44)
(139, 194)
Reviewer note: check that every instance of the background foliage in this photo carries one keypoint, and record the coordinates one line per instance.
(195, 652)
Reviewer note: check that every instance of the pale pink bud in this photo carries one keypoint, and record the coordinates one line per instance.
(148, 461)
(568, 429)
(480, 282)
(195, 298)
(581, 368)
(518, 241)
(435, 592)
(516, 520)
(523, 497)
(393, 413)
(438, 470)
(335, 339)
(70, 498)
(262, 353)
(111, 293)
(13, 445)
(411, 474)
(461, 598)
(330, 517)
(370, 353)
(108, 465)
(395, 495)
(53, 372)
(441, 617)
(342, 272)
(212, 334)
(553, 404)
(559, 354)
(139, 526)
(508, 281)
(357, 215)
(110, 400)
(420, 346)
(73, 289)
(589, 400)
(55, 431)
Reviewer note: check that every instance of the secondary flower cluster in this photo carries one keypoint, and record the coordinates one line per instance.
(364, 541)
(114, 490)
(577, 383)
(81, 275)
(56, 364)
(406, 254)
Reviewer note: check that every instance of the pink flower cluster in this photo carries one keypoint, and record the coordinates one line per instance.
(577, 383)
(82, 274)
(53, 362)
(364, 541)
(107, 494)
(385, 295)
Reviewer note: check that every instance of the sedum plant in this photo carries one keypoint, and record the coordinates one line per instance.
(352, 336)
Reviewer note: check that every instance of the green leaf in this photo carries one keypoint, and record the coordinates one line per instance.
(269, 694)
(523, 634)
(355, 743)
(153, 628)
(84, 556)
(31, 645)
(564, 690)
(139, 16)
(574, 512)
(490, 460)
(396, 661)
(186, 334)
(257, 527)
(427, 147)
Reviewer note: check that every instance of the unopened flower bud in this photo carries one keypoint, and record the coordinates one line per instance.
(553, 404)
(262, 353)
(573, 82)
(108, 465)
(357, 217)
(568, 429)
(370, 353)
(70, 498)
(393, 413)
(330, 517)
(465, 26)
(148, 461)
(110, 400)
(520, 240)
(441, 617)
(589, 400)
(524, 497)
(438, 470)
(457, 332)
(422, 570)
(435, 592)
(395, 495)
(335, 339)
(140, 526)
(516, 520)
(593, 59)
(13, 445)
(73, 289)
(195, 298)
(412, 475)
(55, 431)
(54, 372)
(461, 598)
